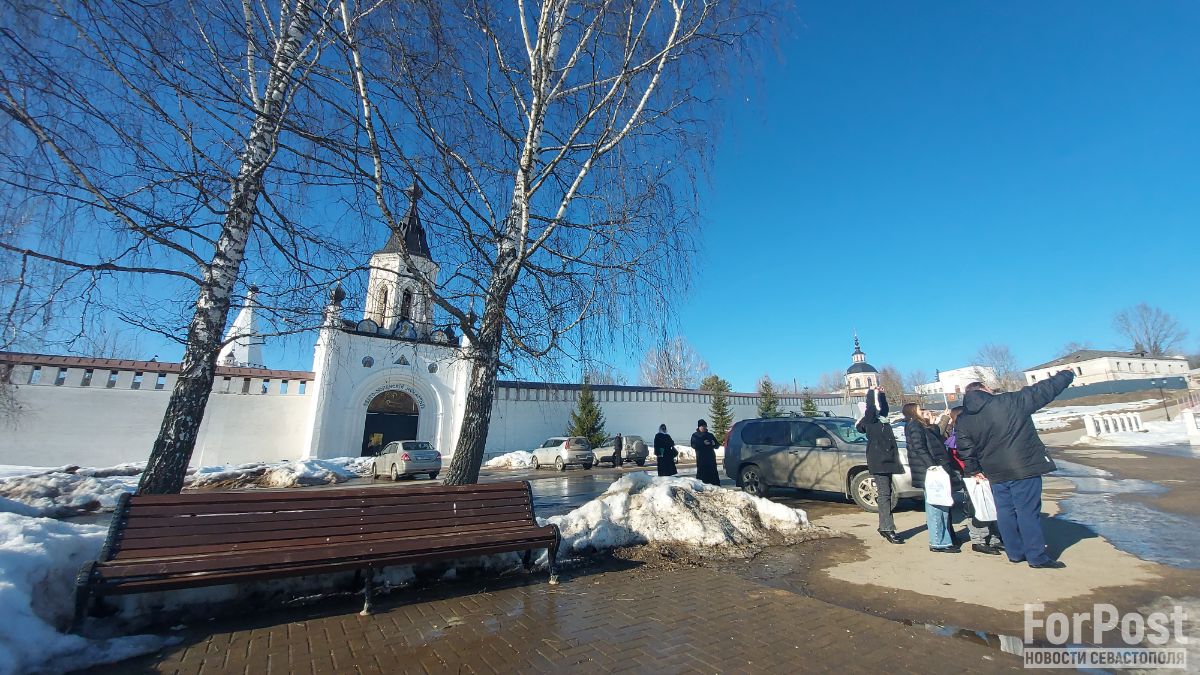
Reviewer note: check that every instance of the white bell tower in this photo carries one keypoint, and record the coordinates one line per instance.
(395, 292)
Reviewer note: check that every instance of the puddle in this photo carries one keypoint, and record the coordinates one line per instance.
(1131, 526)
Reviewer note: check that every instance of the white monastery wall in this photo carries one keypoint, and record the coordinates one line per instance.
(97, 425)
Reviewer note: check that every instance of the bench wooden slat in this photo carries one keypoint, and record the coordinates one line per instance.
(172, 583)
(137, 526)
(314, 554)
(143, 548)
(207, 497)
(229, 506)
(191, 552)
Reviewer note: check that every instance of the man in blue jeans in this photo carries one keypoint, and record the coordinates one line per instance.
(997, 440)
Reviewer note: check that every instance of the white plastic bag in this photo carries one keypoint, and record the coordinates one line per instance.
(980, 492)
(937, 487)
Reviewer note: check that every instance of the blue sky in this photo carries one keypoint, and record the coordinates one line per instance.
(943, 175)
(938, 176)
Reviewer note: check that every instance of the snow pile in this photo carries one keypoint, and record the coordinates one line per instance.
(39, 558)
(517, 459)
(58, 494)
(680, 512)
(1061, 417)
(1156, 433)
(281, 474)
(686, 453)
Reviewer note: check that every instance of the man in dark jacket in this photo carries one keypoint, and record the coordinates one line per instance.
(705, 445)
(618, 446)
(997, 440)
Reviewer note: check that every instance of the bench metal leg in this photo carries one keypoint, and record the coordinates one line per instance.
(368, 593)
(527, 561)
(83, 595)
(552, 558)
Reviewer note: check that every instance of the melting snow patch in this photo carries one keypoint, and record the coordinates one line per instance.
(517, 459)
(1156, 433)
(39, 558)
(1061, 417)
(644, 509)
(58, 495)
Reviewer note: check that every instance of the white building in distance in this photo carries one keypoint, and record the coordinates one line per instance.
(1092, 366)
(394, 374)
(955, 380)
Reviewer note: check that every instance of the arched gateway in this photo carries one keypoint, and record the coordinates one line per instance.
(391, 416)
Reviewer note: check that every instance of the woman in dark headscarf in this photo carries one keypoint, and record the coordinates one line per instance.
(883, 459)
(705, 445)
(665, 452)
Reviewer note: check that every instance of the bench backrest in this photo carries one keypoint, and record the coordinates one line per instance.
(195, 523)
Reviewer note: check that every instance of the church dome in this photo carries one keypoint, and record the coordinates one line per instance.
(863, 367)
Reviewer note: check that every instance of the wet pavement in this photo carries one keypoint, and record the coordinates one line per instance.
(1099, 503)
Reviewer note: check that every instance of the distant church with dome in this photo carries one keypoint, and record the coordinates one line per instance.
(860, 376)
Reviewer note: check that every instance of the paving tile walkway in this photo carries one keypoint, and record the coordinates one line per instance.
(656, 621)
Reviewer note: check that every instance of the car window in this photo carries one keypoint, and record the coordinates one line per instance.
(806, 434)
(390, 447)
(844, 429)
(766, 433)
(417, 445)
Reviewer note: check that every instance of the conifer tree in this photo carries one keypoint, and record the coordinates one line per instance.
(587, 419)
(720, 415)
(808, 406)
(768, 401)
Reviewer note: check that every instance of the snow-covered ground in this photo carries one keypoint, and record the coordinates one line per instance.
(517, 459)
(1156, 433)
(1058, 418)
(644, 509)
(39, 558)
(69, 491)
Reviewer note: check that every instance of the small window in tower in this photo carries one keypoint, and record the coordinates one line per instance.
(228, 384)
(406, 306)
(160, 382)
(303, 387)
(245, 385)
(35, 375)
(87, 378)
(112, 379)
(283, 386)
(383, 306)
(61, 377)
(137, 381)
(266, 386)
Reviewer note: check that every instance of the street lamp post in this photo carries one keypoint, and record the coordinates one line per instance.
(1162, 397)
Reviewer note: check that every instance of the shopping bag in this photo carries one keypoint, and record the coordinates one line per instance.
(937, 487)
(980, 492)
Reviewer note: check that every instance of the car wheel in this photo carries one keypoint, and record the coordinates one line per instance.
(865, 492)
(374, 471)
(533, 463)
(558, 464)
(641, 462)
(433, 475)
(752, 481)
(587, 466)
(395, 473)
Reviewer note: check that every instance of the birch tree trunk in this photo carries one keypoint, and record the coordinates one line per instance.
(172, 451)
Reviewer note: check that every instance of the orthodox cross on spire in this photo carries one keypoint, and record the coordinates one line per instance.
(409, 234)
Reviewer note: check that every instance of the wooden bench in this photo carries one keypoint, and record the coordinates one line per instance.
(164, 542)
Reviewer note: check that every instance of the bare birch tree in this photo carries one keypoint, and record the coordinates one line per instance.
(1000, 359)
(146, 135)
(1150, 329)
(560, 141)
(674, 365)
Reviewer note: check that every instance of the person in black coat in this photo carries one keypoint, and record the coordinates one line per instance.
(618, 446)
(665, 452)
(927, 450)
(997, 441)
(705, 445)
(883, 459)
